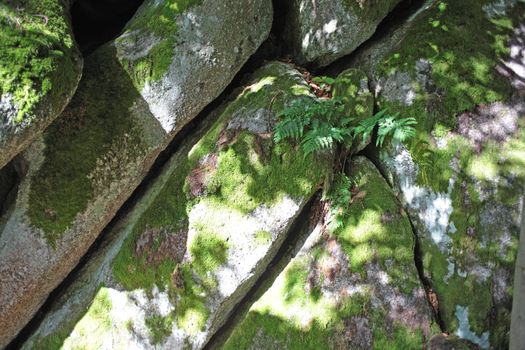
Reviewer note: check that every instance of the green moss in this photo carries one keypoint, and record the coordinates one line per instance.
(375, 229)
(37, 54)
(159, 19)
(159, 327)
(95, 123)
(89, 331)
(463, 50)
(263, 237)
(250, 171)
(294, 313)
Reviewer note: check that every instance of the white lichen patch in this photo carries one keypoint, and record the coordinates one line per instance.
(116, 320)
(465, 332)
(245, 251)
(433, 208)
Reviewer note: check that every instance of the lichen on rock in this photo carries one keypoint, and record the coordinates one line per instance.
(322, 31)
(460, 176)
(356, 289)
(224, 203)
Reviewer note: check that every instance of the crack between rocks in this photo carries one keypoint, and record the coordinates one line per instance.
(228, 95)
(272, 48)
(371, 152)
(296, 237)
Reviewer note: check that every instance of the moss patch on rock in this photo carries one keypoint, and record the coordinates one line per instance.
(445, 74)
(96, 122)
(231, 171)
(342, 292)
(157, 20)
(38, 58)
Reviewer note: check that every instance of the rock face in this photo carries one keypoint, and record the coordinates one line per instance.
(356, 289)
(171, 272)
(130, 103)
(461, 176)
(322, 31)
(40, 67)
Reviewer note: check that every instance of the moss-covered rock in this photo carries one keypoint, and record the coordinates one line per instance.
(460, 176)
(322, 31)
(357, 289)
(40, 67)
(204, 232)
(83, 168)
(175, 50)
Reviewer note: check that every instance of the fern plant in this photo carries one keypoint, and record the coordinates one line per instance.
(316, 124)
(322, 124)
(339, 197)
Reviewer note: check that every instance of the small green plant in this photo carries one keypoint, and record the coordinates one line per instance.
(339, 197)
(320, 124)
(388, 125)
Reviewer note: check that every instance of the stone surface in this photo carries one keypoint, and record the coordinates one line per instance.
(172, 270)
(322, 31)
(83, 168)
(40, 67)
(355, 289)
(460, 176)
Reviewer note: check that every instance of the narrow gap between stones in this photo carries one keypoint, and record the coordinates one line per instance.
(96, 22)
(155, 171)
(9, 180)
(296, 237)
(371, 152)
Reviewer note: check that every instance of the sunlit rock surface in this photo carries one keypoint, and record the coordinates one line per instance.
(460, 177)
(322, 31)
(137, 92)
(173, 269)
(355, 289)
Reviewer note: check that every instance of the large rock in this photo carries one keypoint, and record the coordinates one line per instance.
(322, 31)
(461, 176)
(130, 103)
(170, 273)
(40, 67)
(356, 289)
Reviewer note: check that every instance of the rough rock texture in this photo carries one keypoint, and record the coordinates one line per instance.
(40, 67)
(460, 176)
(321, 31)
(81, 170)
(356, 289)
(172, 270)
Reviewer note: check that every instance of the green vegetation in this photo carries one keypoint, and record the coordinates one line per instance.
(296, 314)
(263, 237)
(94, 126)
(38, 59)
(160, 21)
(159, 327)
(464, 53)
(250, 170)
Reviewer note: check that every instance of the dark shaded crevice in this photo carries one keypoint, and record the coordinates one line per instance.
(295, 239)
(228, 95)
(393, 21)
(9, 180)
(96, 22)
